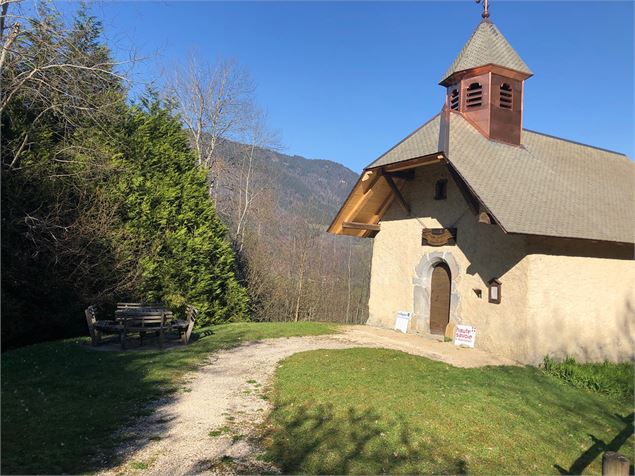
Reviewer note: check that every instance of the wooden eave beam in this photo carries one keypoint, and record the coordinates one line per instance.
(397, 193)
(353, 225)
(369, 178)
(350, 216)
(413, 163)
(345, 213)
(366, 185)
(485, 218)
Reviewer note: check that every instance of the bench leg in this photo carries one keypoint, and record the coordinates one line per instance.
(95, 335)
(188, 332)
(123, 340)
(161, 339)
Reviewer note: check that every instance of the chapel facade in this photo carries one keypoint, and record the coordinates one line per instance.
(477, 221)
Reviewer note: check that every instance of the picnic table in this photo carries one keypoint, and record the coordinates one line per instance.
(141, 319)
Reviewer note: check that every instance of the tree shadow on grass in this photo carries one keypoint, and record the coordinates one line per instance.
(599, 446)
(316, 440)
(68, 409)
(64, 406)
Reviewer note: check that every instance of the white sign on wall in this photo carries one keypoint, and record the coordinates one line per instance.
(402, 321)
(464, 335)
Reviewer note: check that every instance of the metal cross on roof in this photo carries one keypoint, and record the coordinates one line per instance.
(485, 13)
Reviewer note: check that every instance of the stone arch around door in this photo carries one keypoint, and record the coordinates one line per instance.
(421, 291)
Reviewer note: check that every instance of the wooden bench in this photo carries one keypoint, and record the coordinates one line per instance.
(141, 318)
(185, 326)
(97, 328)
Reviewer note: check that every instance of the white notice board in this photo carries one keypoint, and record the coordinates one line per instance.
(402, 320)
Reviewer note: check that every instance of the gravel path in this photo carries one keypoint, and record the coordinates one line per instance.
(225, 398)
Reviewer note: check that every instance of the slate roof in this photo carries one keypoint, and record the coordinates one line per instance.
(423, 141)
(487, 45)
(548, 186)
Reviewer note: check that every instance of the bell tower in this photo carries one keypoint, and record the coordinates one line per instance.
(485, 84)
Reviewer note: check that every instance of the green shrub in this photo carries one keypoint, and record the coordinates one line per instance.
(612, 379)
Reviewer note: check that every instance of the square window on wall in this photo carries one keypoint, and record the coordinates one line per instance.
(441, 189)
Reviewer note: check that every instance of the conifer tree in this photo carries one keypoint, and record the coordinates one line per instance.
(170, 225)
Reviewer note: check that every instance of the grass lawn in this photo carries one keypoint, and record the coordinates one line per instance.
(61, 401)
(369, 411)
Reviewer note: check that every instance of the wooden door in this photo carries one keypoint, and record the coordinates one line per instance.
(440, 298)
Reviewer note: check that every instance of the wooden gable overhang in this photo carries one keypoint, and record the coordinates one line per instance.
(376, 189)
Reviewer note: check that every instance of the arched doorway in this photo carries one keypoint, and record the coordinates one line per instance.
(422, 285)
(440, 288)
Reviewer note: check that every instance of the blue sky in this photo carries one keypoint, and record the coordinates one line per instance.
(345, 81)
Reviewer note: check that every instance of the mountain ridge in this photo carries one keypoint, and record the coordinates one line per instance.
(313, 188)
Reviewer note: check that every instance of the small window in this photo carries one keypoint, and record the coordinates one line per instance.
(441, 190)
(474, 96)
(505, 96)
(494, 293)
(454, 100)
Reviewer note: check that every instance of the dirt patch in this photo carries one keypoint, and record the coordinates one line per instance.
(426, 346)
(209, 427)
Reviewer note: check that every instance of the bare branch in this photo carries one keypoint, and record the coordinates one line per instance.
(215, 102)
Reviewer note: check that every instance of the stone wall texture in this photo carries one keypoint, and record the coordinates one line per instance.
(559, 297)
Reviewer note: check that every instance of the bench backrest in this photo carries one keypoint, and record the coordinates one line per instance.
(145, 319)
(139, 305)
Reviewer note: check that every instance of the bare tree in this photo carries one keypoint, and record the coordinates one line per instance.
(259, 138)
(13, 31)
(215, 101)
(293, 270)
(41, 63)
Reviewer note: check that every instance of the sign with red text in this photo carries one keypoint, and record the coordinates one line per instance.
(464, 335)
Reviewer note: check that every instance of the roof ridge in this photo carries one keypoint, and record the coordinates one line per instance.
(576, 142)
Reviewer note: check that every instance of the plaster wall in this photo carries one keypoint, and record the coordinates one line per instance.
(582, 306)
(532, 320)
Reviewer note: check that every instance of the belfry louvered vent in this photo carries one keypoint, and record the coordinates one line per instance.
(454, 100)
(474, 97)
(506, 96)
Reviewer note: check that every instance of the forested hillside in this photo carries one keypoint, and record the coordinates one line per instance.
(294, 269)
